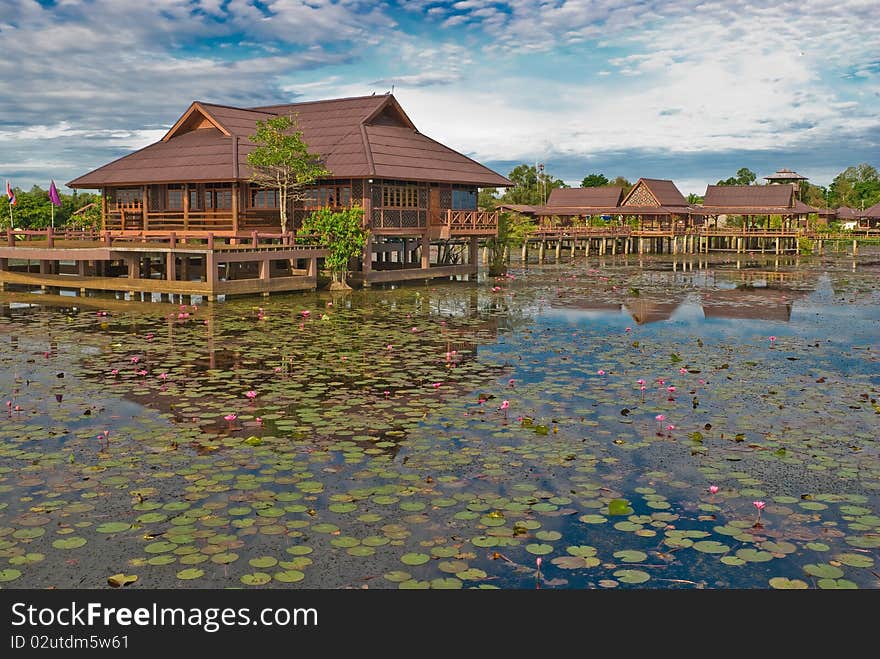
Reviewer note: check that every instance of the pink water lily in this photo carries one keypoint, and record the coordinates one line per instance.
(640, 382)
(670, 427)
(600, 372)
(232, 416)
(772, 339)
(713, 489)
(115, 371)
(135, 359)
(437, 385)
(760, 505)
(163, 376)
(251, 394)
(660, 417)
(670, 389)
(682, 370)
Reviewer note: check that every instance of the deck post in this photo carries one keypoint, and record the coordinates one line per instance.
(171, 266)
(185, 207)
(367, 259)
(558, 248)
(541, 249)
(426, 251)
(255, 240)
(264, 276)
(10, 238)
(211, 273)
(145, 205)
(473, 249)
(855, 248)
(312, 271)
(524, 256)
(235, 193)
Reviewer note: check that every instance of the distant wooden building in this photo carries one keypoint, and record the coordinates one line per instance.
(656, 202)
(196, 178)
(870, 217)
(754, 203)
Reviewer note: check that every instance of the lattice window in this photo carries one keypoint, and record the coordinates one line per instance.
(357, 191)
(409, 218)
(445, 198)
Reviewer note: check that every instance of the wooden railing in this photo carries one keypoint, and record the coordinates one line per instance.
(472, 222)
(165, 239)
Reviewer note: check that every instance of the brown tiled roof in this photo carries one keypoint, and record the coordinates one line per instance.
(357, 137)
(847, 213)
(602, 196)
(873, 212)
(801, 207)
(745, 196)
(666, 192)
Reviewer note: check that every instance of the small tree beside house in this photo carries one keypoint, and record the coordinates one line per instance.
(282, 161)
(342, 233)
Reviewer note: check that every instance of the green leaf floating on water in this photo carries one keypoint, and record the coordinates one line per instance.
(619, 507)
(414, 558)
(539, 549)
(9, 574)
(711, 547)
(855, 560)
(784, 583)
(70, 543)
(114, 527)
(632, 576)
(823, 570)
(263, 561)
(256, 579)
(190, 573)
(837, 584)
(631, 556)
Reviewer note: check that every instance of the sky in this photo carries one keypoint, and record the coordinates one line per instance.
(690, 91)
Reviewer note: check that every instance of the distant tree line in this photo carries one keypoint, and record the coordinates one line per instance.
(857, 187)
(33, 210)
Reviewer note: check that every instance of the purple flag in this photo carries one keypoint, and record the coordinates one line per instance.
(53, 194)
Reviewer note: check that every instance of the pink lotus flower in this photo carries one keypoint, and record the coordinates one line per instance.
(682, 370)
(760, 505)
(415, 329)
(600, 372)
(437, 385)
(305, 313)
(150, 336)
(772, 339)
(387, 393)
(495, 289)
(670, 427)
(640, 382)
(713, 489)
(389, 347)
(628, 329)
(259, 420)
(163, 376)
(505, 404)
(511, 382)
(232, 416)
(277, 369)
(660, 417)
(670, 389)
(142, 372)
(251, 394)
(135, 359)
(115, 371)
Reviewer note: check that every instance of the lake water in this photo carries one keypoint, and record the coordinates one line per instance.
(451, 434)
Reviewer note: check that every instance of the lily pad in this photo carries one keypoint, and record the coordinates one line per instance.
(414, 558)
(121, 579)
(632, 576)
(784, 583)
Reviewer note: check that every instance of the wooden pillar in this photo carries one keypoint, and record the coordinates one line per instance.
(103, 209)
(473, 248)
(614, 246)
(265, 276)
(186, 206)
(312, 271)
(171, 266)
(558, 248)
(524, 257)
(235, 194)
(82, 268)
(367, 260)
(855, 248)
(145, 210)
(211, 274)
(541, 249)
(134, 266)
(426, 251)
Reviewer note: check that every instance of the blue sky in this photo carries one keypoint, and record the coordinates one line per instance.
(690, 91)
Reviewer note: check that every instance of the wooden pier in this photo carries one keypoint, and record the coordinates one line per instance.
(148, 263)
(601, 241)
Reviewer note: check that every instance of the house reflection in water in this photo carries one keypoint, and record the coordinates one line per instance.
(752, 303)
(645, 311)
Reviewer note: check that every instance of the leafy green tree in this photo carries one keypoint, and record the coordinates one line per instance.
(857, 187)
(744, 176)
(282, 161)
(530, 186)
(513, 229)
(33, 210)
(623, 183)
(486, 198)
(594, 181)
(343, 234)
(694, 198)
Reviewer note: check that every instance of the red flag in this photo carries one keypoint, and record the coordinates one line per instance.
(53, 194)
(10, 194)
